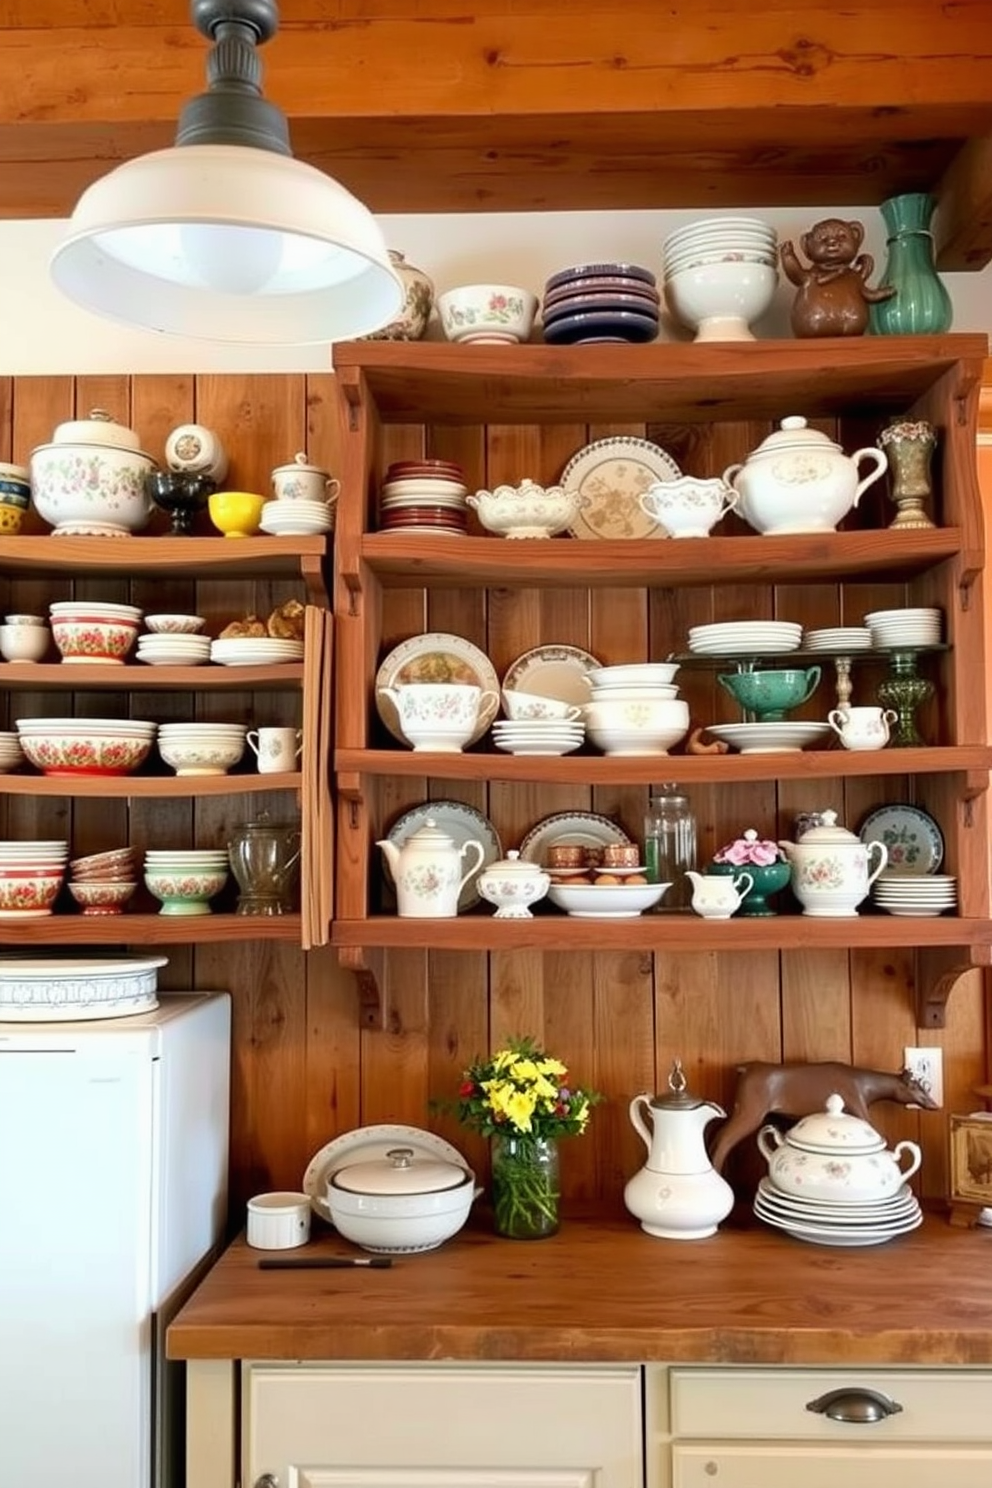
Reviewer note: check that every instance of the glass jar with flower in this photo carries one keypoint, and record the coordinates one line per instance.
(764, 861)
(522, 1099)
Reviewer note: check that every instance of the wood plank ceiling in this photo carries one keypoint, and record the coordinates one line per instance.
(534, 105)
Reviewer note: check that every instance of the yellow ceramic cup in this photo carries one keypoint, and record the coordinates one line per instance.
(11, 518)
(235, 513)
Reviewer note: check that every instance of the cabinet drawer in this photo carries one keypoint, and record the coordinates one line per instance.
(723, 1466)
(937, 1405)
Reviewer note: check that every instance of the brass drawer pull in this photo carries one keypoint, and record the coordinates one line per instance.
(855, 1406)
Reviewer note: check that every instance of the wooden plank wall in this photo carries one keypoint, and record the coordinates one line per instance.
(304, 1071)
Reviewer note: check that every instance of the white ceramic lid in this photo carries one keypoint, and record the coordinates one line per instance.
(299, 462)
(828, 831)
(99, 428)
(401, 1171)
(429, 832)
(513, 863)
(794, 433)
(834, 1130)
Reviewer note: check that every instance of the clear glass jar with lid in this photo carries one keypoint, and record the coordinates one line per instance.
(670, 845)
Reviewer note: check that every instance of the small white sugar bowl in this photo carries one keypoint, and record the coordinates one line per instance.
(832, 1156)
(513, 885)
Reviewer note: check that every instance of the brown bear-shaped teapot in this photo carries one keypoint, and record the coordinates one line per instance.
(833, 294)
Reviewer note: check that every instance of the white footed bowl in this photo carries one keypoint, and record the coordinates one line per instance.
(720, 301)
(88, 489)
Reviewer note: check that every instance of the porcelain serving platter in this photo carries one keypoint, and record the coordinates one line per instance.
(570, 829)
(914, 840)
(462, 823)
(369, 1144)
(610, 475)
(436, 657)
(552, 671)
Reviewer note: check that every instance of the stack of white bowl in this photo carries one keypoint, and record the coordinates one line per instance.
(905, 629)
(635, 709)
(31, 874)
(11, 753)
(185, 879)
(926, 894)
(202, 748)
(720, 275)
(747, 637)
(174, 649)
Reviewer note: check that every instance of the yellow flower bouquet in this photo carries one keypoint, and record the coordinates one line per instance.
(522, 1098)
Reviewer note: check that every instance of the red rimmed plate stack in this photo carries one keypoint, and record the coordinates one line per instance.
(600, 302)
(424, 496)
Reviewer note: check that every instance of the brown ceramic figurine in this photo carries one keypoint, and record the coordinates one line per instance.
(833, 296)
(801, 1089)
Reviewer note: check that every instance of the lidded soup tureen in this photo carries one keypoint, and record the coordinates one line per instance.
(833, 1156)
(90, 481)
(798, 480)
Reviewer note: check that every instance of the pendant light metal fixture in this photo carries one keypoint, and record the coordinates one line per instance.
(226, 237)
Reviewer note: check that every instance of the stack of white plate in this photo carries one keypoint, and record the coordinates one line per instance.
(753, 637)
(838, 638)
(538, 735)
(822, 1222)
(255, 650)
(904, 629)
(926, 894)
(643, 681)
(299, 517)
(173, 650)
(11, 753)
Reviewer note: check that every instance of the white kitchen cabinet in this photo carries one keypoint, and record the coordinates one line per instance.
(442, 1426)
(753, 1428)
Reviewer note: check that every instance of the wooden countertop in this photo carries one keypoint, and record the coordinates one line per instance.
(602, 1290)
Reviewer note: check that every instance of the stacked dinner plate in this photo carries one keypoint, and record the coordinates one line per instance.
(538, 735)
(926, 894)
(753, 637)
(823, 1222)
(904, 629)
(11, 753)
(255, 650)
(424, 496)
(838, 638)
(297, 517)
(600, 302)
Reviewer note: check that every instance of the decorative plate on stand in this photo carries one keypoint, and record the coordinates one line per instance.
(610, 474)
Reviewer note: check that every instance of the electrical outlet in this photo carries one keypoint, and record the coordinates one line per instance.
(928, 1067)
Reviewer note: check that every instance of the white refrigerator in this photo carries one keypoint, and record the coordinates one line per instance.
(113, 1195)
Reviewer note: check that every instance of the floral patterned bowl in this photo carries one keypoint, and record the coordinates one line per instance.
(90, 746)
(102, 897)
(185, 892)
(487, 313)
(93, 640)
(28, 892)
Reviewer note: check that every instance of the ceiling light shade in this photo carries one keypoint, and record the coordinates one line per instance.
(225, 237)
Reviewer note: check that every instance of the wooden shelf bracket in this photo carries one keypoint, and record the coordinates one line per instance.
(368, 966)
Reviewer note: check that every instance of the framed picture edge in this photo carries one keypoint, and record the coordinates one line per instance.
(964, 1187)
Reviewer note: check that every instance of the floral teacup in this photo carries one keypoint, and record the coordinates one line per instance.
(438, 716)
(688, 506)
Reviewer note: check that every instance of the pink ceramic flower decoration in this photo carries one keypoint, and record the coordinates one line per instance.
(750, 849)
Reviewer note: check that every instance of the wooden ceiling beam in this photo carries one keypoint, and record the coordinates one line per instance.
(535, 104)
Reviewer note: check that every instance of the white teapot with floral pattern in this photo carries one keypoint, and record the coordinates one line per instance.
(832, 870)
(427, 871)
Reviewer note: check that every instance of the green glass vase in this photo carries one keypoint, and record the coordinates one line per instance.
(526, 1189)
(921, 305)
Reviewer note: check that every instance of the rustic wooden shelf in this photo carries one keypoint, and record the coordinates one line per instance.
(441, 383)
(147, 929)
(163, 787)
(258, 557)
(108, 677)
(585, 769)
(400, 561)
(663, 933)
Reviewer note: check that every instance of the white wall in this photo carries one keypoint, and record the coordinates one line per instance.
(41, 332)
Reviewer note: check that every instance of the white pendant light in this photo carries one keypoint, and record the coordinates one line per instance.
(226, 237)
